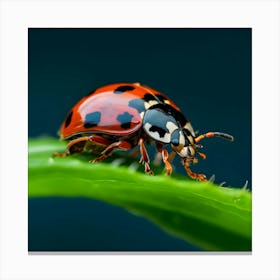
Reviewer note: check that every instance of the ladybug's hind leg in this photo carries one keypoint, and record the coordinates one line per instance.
(75, 146)
(123, 145)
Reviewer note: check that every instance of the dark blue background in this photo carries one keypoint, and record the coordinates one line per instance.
(207, 72)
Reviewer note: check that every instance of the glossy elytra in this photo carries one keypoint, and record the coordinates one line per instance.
(123, 116)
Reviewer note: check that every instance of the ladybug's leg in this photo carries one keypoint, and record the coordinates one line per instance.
(158, 157)
(202, 155)
(75, 146)
(123, 145)
(171, 156)
(144, 157)
(195, 176)
(59, 154)
(165, 157)
(96, 139)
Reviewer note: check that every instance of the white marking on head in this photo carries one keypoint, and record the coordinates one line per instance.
(183, 152)
(189, 127)
(190, 138)
(182, 140)
(192, 150)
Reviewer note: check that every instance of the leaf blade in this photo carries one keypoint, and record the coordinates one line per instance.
(213, 217)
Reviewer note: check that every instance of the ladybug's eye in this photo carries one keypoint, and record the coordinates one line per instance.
(159, 125)
(175, 141)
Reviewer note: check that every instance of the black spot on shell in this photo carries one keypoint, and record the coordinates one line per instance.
(138, 104)
(148, 97)
(123, 89)
(125, 119)
(68, 119)
(92, 119)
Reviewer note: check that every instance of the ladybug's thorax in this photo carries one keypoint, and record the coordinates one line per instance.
(170, 128)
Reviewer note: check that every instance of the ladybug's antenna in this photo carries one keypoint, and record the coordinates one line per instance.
(214, 134)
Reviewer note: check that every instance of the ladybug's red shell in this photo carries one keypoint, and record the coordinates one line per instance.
(113, 109)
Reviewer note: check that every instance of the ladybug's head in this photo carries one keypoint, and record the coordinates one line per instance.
(171, 127)
(183, 148)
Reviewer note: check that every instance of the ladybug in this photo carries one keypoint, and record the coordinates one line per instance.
(125, 115)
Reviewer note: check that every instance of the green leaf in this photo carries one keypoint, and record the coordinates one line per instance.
(212, 217)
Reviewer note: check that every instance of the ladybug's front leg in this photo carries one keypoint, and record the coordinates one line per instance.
(144, 157)
(193, 175)
(165, 158)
